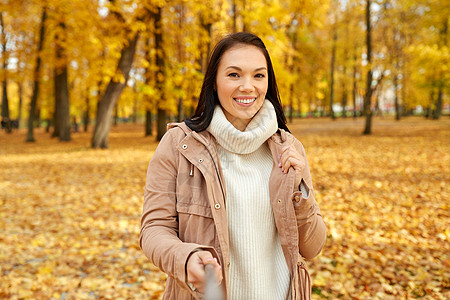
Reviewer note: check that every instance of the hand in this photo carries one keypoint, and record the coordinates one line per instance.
(195, 269)
(291, 157)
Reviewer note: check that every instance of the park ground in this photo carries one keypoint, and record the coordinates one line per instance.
(69, 215)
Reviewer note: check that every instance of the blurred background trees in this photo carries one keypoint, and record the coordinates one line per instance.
(100, 62)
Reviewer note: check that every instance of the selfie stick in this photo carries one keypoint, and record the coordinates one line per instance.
(212, 290)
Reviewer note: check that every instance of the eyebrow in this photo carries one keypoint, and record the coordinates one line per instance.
(239, 69)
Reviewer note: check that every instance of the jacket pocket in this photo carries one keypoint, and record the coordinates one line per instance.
(194, 209)
(195, 224)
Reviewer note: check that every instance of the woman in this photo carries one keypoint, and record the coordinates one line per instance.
(232, 187)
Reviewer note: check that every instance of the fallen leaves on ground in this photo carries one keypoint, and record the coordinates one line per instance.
(70, 215)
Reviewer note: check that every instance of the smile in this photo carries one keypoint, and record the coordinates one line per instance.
(245, 100)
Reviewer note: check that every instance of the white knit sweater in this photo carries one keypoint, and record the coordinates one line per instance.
(258, 269)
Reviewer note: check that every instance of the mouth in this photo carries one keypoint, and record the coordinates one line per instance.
(245, 100)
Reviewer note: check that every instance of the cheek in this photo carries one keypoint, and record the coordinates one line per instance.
(224, 96)
(262, 86)
(225, 90)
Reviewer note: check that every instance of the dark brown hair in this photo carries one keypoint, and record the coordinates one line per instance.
(208, 96)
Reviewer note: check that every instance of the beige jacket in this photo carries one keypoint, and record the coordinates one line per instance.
(184, 209)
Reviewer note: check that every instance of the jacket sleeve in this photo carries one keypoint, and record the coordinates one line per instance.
(311, 228)
(159, 223)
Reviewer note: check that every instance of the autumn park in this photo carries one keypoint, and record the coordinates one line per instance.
(89, 86)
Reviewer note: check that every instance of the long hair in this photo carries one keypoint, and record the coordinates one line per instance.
(208, 96)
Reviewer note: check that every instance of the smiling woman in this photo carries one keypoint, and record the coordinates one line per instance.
(209, 97)
(231, 187)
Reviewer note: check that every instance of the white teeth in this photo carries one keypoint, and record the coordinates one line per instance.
(245, 101)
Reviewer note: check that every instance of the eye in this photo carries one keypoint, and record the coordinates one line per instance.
(260, 76)
(234, 75)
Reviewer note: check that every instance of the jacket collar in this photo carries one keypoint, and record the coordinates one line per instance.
(204, 136)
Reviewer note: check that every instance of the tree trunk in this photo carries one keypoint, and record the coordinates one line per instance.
(333, 59)
(181, 55)
(294, 69)
(49, 124)
(403, 89)
(355, 114)
(148, 123)
(5, 103)
(344, 102)
(161, 127)
(62, 96)
(429, 111)
(291, 102)
(344, 77)
(56, 115)
(397, 106)
(344, 87)
(61, 87)
(396, 39)
(87, 112)
(112, 94)
(443, 42)
(19, 117)
(160, 74)
(204, 57)
(135, 111)
(5, 107)
(354, 84)
(36, 77)
(149, 80)
(438, 109)
(99, 86)
(116, 114)
(368, 95)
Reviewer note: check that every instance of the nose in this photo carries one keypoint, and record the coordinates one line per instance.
(246, 85)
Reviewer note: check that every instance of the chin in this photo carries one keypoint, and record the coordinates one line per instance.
(247, 116)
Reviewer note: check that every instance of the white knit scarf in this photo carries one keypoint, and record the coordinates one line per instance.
(263, 125)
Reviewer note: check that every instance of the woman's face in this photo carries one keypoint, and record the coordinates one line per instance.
(241, 83)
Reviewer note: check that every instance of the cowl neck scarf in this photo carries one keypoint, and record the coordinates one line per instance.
(263, 125)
